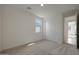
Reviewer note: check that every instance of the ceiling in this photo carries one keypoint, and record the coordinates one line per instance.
(47, 9)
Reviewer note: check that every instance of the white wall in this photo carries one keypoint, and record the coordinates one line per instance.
(44, 28)
(18, 27)
(0, 28)
(54, 27)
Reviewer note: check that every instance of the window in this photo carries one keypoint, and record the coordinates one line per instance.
(37, 24)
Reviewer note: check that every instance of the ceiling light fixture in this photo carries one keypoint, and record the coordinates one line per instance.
(29, 8)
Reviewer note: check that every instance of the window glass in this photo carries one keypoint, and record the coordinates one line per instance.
(37, 24)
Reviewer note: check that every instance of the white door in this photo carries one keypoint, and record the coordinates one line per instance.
(70, 36)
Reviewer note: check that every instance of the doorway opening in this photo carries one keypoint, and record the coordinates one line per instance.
(70, 27)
